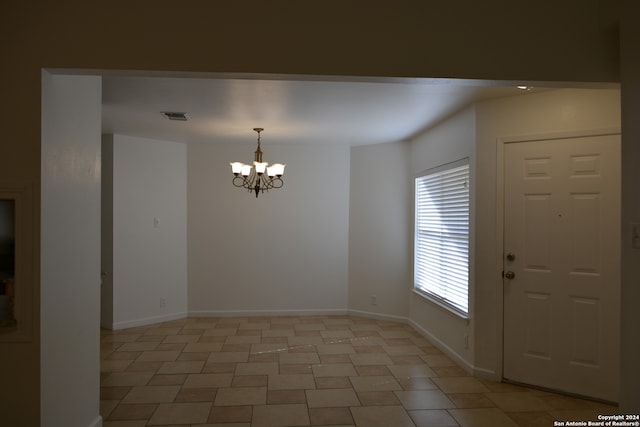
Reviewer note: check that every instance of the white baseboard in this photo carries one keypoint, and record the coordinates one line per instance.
(487, 374)
(378, 316)
(257, 313)
(148, 320)
(440, 345)
(471, 369)
(97, 422)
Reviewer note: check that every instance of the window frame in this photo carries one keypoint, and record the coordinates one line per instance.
(424, 291)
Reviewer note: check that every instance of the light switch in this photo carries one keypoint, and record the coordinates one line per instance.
(156, 223)
(635, 236)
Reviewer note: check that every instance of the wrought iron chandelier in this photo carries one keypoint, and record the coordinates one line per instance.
(253, 178)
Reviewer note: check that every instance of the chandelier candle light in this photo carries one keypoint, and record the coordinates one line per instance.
(254, 178)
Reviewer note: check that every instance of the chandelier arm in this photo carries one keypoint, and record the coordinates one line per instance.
(239, 181)
(249, 181)
(267, 183)
(264, 184)
(277, 182)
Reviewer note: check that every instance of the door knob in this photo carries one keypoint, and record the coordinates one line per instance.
(509, 275)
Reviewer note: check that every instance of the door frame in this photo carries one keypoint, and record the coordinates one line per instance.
(501, 142)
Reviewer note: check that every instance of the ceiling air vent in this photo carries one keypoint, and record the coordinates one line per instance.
(172, 115)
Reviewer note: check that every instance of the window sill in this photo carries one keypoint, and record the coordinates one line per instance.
(442, 305)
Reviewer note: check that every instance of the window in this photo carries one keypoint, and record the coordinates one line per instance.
(441, 254)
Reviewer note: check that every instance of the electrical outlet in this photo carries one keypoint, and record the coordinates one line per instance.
(466, 340)
(163, 302)
(373, 300)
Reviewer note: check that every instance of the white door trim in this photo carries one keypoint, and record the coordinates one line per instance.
(500, 146)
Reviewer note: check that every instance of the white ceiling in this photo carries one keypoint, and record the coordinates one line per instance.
(291, 110)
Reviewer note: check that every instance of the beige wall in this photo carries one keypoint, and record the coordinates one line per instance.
(630, 315)
(493, 39)
(379, 237)
(149, 259)
(70, 251)
(285, 253)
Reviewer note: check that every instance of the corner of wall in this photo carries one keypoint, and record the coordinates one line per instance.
(149, 231)
(379, 230)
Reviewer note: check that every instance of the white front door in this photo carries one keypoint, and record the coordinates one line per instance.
(562, 264)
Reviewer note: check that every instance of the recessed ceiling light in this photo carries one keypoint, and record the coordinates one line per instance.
(523, 87)
(172, 115)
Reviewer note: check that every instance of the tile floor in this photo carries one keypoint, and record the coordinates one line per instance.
(306, 371)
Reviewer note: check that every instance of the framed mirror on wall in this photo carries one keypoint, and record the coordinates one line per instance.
(16, 268)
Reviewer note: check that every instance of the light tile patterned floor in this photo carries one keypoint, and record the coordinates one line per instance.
(301, 371)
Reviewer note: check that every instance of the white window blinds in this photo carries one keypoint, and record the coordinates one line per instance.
(441, 263)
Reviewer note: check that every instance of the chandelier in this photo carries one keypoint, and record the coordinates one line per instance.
(253, 178)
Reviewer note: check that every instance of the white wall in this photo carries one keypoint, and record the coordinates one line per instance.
(379, 231)
(553, 112)
(149, 231)
(284, 252)
(70, 248)
(473, 133)
(451, 140)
